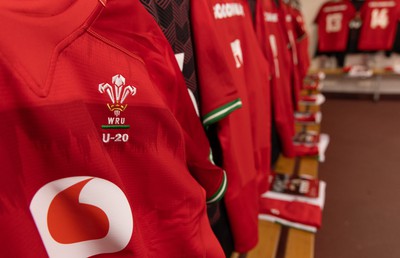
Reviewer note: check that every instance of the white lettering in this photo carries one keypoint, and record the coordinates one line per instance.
(271, 17)
(125, 137)
(121, 137)
(335, 8)
(228, 10)
(374, 4)
(117, 138)
(116, 120)
(106, 137)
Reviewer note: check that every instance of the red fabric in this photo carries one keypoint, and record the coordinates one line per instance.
(164, 71)
(379, 25)
(306, 117)
(309, 98)
(333, 25)
(297, 76)
(218, 86)
(228, 53)
(307, 137)
(56, 115)
(295, 211)
(306, 150)
(302, 41)
(312, 85)
(274, 41)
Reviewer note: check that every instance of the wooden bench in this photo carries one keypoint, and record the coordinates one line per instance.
(276, 240)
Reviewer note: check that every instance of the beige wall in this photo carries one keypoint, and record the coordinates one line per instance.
(310, 9)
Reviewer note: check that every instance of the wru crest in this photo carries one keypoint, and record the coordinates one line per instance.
(117, 93)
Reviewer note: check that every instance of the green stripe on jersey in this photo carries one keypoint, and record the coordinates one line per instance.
(220, 192)
(221, 112)
(115, 126)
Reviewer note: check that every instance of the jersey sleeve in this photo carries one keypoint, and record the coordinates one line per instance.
(351, 11)
(218, 71)
(302, 42)
(317, 18)
(281, 91)
(198, 151)
(364, 10)
(166, 73)
(199, 158)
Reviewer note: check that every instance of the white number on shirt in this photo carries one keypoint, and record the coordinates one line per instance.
(334, 22)
(274, 48)
(237, 52)
(379, 18)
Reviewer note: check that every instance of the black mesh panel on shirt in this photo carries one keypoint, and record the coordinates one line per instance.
(173, 18)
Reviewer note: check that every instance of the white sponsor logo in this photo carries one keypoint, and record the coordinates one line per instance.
(228, 10)
(373, 4)
(271, 17)
(82, 216)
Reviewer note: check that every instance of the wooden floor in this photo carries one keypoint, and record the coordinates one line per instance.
(361, 217)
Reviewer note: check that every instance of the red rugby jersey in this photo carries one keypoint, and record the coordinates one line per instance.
(333, 25)
(380, 18)
(96, 155)
(272, 37)
(296, 76)
(228, 53)
(302, 41)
